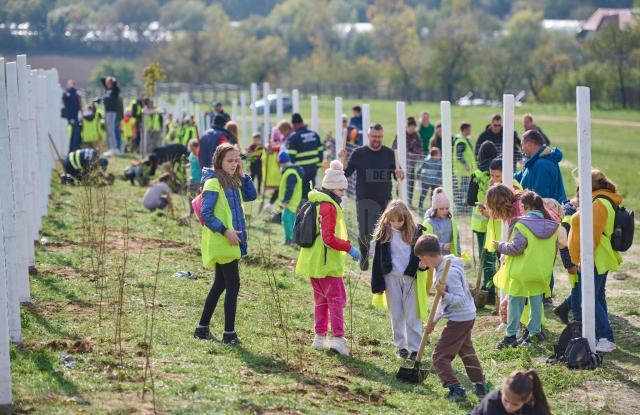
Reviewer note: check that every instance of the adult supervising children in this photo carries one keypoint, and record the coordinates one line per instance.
(305, 149)
(375, 165)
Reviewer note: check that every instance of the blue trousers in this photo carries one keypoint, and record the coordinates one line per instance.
(74, 140)
(603, 327)
(516, 308)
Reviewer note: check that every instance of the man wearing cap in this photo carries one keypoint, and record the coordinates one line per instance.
(212, 138)
(305, 150)
(217, 110)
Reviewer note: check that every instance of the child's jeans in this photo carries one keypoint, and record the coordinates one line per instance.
(603, 327)
(455, 340)
(516, 307)
(288, 220)
(405, 322)
(329, 297)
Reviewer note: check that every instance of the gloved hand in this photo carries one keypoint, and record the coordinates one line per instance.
(354, 254)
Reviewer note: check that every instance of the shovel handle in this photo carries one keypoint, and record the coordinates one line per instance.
(432, 313)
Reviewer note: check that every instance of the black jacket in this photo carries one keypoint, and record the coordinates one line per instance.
(71, 101)
(382, 263)
(491, 404)
(496, 139)
(110, 97)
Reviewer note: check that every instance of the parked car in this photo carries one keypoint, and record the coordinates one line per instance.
(287, 106)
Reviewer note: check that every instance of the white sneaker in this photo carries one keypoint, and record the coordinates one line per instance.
(339, 344)
(605, 346)
(320, 342)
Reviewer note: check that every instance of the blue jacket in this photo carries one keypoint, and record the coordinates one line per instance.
(209, 141)
(209, 200)
(543, 176)
(71, 102)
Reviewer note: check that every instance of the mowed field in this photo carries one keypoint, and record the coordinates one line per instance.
(116, 323)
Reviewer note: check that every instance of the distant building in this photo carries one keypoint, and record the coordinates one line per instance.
(563, 26)
(621, 17)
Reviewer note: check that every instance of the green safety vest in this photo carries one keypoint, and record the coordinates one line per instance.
(91, 130)
(171, 135)
(454, 242)
(320, 261)
(128, 128)
(573, 278)
(75, 158)
(138, 112)
(215, 246)
(478, 220)
(468, 156)
(494, 227)
(606, 258)
(270, 169)
(528, 274)
(187, 133)
(153, 122)
(297, 190)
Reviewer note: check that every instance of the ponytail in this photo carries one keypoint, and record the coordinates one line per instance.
(527, 384)
(534, 202)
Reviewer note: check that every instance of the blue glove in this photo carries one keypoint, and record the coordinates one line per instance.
(354, 254)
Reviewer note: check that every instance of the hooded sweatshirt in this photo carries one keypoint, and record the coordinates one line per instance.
(599, 221)
(457, 303)
(536, 223)
(542, 175)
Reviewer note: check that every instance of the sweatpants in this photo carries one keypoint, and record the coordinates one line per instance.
(455, 340)
(329, 298)
(514, 313)
(227, 278)
(400, 291)
(110, 123)
(288, 220)
(368, 212)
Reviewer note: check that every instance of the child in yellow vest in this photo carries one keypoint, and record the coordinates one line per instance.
(224, 236)
(290, 194)
(525, 274)
(439, 221)
(324, 261)
(394, 273)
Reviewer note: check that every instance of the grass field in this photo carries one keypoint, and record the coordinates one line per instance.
(275, 371)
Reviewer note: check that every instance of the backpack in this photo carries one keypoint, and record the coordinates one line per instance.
(623, 226)
(578, 355)
(571, 331)
(305, 228)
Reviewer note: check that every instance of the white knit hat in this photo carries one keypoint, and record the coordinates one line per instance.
(334, 177)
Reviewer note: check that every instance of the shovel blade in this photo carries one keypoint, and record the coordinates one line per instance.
(414, 374)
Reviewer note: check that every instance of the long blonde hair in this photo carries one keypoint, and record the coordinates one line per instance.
(226, 180)
(396, 209)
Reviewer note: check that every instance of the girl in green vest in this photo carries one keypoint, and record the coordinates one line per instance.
(524, 275)
(324, 261)
(224, 236)
(439, 221)
(290, 194)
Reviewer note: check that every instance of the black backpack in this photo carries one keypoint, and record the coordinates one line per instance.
(578, 355)
(305, 229)
(623, 226)
(571, 331)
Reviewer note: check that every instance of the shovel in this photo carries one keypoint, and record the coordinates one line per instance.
(417, 374)
(479, 295)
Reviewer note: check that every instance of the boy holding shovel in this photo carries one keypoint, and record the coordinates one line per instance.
(458, 307)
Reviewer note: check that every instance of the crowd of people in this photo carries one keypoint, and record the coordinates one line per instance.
(409, 255)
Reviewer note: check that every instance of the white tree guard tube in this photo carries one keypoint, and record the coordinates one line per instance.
(583, 108)
(295, 101)
(254, 110)
(243, 115)
(279, 105)
(234, 109)
(366, 122)
(401, 133)
(508, 115)
(315, 121)
(447, 151)
(338, 127)
(5, 361)
(266, 119)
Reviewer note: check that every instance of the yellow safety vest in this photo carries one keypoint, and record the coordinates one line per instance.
(294, 202)
(215, 246)
(320, 261)
(454, 242)
(606, 258)
(128, 128)
(270, 169)
(91, 130)
(75, 158)
(468, 156)
(187, 134)
(478, 220)
(153, 122)
(528, 274)
(494, 228)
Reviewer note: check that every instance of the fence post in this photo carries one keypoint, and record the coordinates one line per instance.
(401, 134)
(254, 110)
(43, 142)
(447, 150)
(243, 115)
(279, 109)
(338, 126)
(234, 109)
(508, 114)
(5, 361)
(366, 121)
(583, 108)
(266, 114)
(295, 101)
(315, 124)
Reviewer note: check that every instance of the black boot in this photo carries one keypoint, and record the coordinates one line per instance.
(231, 339)
(562, 311)
(204, 333)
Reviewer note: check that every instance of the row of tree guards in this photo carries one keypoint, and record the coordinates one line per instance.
(30, 104)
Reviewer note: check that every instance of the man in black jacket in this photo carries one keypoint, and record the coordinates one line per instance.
(72, 105)
(493, 133)
(110, 101)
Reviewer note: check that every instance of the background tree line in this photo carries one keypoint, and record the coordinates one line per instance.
(418, 49)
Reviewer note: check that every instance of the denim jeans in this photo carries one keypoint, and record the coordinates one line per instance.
(603, 327)
(516, 308)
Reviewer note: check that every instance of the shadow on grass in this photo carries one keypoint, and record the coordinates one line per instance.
(54, 285)
(41, 321)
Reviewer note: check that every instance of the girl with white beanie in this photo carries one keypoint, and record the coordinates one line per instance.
(324, 261)
(439, 221)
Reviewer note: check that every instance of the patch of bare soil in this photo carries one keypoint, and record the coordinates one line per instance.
(607, 397)
(69, 307)
(70, 346)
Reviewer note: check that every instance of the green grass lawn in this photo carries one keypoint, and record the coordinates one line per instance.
(271, 372)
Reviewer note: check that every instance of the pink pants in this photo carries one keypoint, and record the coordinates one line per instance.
(330, 298)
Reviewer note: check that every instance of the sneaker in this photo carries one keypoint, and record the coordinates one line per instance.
(524, 337)
(320, 342)
(548, 302)
(480, 389)
(456, 393)
(339, 344)
(364, 264)
(562, 311)
(231, 339)
(507, 341)
(413, 356)
(605, 346)
(204, 333)
(403, 354)
(531, 339)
